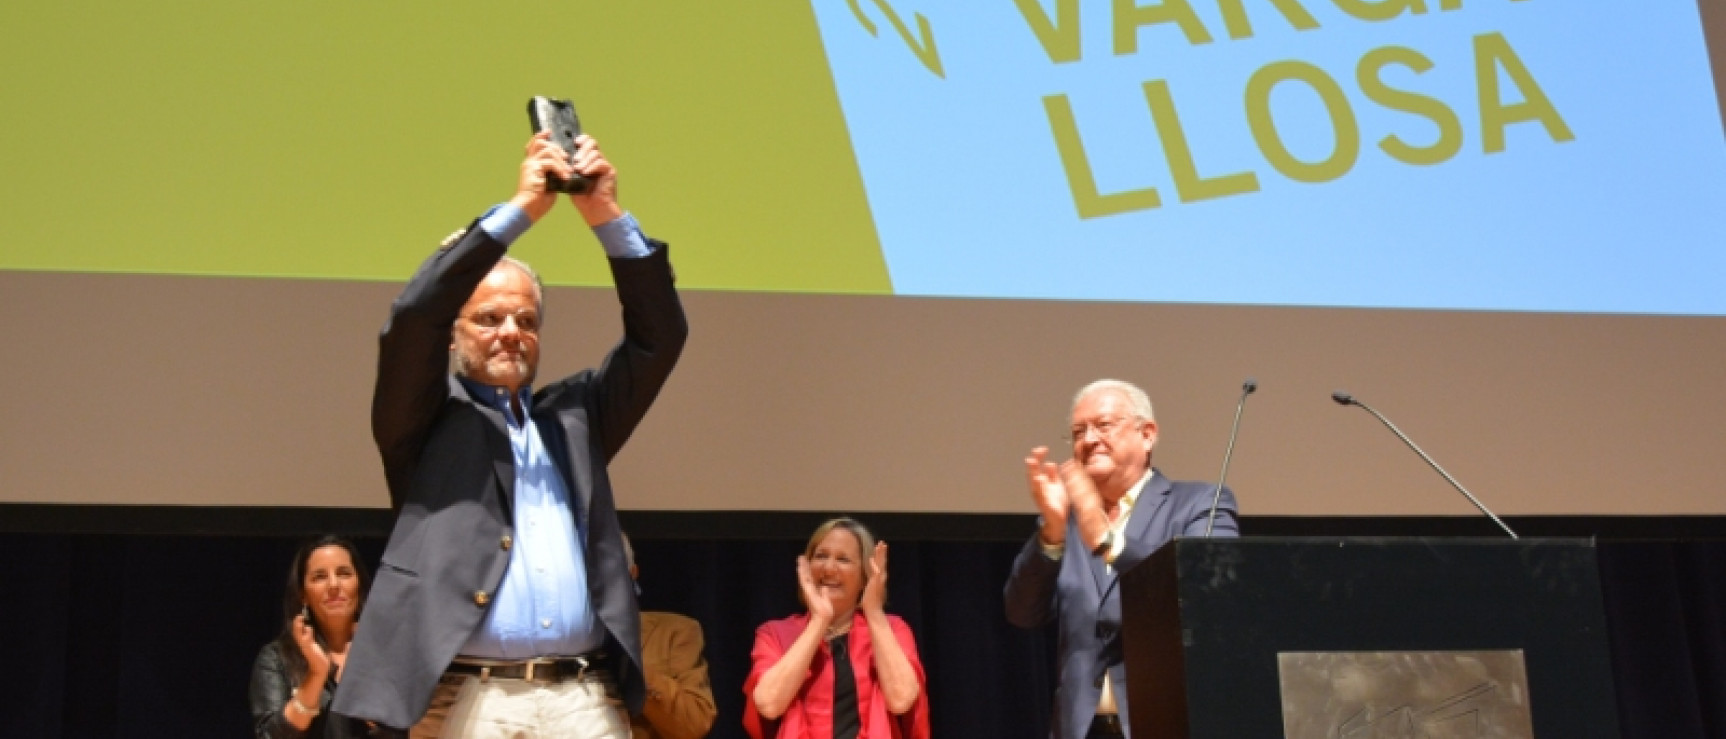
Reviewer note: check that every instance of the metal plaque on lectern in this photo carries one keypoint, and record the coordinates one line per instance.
(1405, 695)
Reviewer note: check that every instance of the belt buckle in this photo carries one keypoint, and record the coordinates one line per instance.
(553, 670)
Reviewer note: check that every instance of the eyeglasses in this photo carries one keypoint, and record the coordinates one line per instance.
(1105, 428)
(490, 322)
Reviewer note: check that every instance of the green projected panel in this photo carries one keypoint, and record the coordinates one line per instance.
(344, 140)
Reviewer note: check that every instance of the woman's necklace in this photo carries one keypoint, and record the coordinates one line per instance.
(839, 629)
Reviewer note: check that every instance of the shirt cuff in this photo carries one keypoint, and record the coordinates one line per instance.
(505, 222)
(622, 238)
(1052, 551)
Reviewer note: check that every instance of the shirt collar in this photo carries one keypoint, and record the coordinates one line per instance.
(496, 396)
(1132, 497)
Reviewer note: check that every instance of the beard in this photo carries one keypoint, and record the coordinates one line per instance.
(510, 370)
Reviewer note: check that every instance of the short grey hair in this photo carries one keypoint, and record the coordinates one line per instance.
(538, 284)
(1136, 398)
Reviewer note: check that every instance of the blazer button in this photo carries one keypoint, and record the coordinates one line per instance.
(506, 542)
(480, 598)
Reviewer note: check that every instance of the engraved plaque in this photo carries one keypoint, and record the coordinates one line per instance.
(1404, 695)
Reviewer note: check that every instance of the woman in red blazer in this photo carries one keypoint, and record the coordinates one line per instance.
(845, 669)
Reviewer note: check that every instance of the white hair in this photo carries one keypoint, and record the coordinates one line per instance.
(1136, 398)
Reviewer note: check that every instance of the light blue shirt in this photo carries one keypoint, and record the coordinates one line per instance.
(542, 607)
(620, 236)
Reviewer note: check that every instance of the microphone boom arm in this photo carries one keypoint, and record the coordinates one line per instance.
(1217, 497)
(1422, 453)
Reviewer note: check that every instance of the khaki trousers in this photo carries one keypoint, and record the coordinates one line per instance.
(466, 708)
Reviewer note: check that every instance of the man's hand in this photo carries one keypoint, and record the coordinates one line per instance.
(543, 157)
(599, 205)
(1088, 513)
(1049, 494)
(874, 599)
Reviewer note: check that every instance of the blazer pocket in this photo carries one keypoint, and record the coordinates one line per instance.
(385, 568)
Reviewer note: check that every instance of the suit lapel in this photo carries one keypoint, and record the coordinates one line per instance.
(497, 443)
(1149, 505)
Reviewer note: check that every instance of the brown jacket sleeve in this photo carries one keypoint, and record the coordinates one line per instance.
(679, 699)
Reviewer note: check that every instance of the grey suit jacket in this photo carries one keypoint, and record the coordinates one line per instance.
(451, 478)
(1073, 590)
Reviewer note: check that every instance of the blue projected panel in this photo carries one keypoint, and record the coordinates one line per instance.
(1488, 154)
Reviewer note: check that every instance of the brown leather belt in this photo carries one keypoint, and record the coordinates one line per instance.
(542, 669)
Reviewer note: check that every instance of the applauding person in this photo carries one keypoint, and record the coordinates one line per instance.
(295, 674)
(845, 668)
(1099, 514)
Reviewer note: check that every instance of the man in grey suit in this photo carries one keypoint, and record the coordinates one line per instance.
(1101, 513)
(504, 601)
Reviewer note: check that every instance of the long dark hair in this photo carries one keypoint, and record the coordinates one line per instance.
(293, 600)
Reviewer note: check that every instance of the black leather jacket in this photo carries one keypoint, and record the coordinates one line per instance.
(271, 689)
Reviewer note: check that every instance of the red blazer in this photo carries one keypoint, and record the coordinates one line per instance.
(810, 715)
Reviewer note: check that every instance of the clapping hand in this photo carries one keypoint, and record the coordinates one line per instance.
(1049, 493)
(820, 608)
(1093, 522)
(875, 591)
(317, 660)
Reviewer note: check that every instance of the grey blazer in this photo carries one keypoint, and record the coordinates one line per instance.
(452, 477)
(1073, 590)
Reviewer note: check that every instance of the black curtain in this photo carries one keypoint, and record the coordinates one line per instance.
(153, 636)
(1666, 619)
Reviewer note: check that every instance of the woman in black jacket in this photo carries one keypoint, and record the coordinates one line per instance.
(295, 675)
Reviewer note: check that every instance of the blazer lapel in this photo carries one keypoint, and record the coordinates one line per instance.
(1152, 498)
(497, 443)
(1149, 505)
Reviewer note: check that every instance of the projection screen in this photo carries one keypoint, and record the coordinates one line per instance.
(905, 232)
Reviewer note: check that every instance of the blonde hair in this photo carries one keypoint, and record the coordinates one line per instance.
(865, 542)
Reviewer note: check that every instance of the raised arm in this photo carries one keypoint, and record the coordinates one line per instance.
(276, 700)
(780, 670)
(620, 391)
(1030, 591)
(901, 683)
(413, 348)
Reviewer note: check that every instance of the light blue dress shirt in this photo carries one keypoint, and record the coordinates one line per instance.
(620, 236)
(542, 607)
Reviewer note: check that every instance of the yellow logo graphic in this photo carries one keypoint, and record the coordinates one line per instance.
(924, 48)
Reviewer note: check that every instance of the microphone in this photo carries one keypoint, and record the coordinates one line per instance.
(1247, 388)
(1343, 398)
